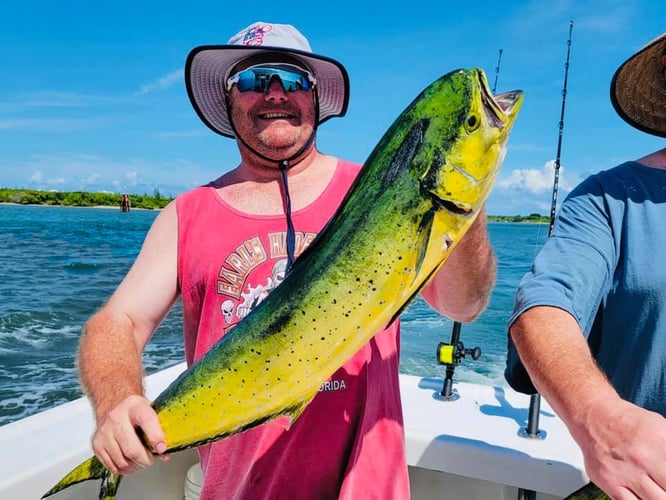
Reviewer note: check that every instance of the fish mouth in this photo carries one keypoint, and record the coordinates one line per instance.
(501, 108)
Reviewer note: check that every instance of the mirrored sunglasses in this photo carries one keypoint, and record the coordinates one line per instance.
(259, 78)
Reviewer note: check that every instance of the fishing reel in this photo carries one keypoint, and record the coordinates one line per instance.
(451, 355)
(448, 354)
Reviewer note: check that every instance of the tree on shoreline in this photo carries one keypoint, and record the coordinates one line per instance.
(81, 198)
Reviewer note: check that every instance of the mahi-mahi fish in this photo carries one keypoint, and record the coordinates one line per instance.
(412, 202)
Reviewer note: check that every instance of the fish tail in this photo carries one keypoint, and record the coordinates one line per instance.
(90, 469)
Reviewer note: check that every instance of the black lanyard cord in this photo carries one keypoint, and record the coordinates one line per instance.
(291, 233)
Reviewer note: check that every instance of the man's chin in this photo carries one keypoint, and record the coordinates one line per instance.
(281, 140)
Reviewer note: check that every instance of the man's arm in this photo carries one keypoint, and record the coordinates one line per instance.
(110, 363)
(624, 446)
(461, 289)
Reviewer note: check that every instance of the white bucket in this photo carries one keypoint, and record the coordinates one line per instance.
(193, 483)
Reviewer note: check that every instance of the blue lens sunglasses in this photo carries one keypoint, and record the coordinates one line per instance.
(258, 78)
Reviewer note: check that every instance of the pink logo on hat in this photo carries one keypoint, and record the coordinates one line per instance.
(255, 35)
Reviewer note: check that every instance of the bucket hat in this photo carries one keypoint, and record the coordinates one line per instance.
(208, 67)
(638, 89)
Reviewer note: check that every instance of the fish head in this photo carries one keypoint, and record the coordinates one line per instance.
(468, 129)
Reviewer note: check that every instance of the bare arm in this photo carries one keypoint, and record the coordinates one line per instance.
(110, 363)
(461, 289)
(623, 445)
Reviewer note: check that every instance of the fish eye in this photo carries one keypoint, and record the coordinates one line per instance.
(472, 122)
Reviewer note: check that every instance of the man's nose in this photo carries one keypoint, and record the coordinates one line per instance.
(275, 89)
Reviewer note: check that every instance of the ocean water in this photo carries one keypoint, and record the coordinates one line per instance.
(58, 265)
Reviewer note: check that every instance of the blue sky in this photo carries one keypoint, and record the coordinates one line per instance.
(92, 95)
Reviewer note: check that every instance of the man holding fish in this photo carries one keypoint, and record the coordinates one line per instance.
(226, 248)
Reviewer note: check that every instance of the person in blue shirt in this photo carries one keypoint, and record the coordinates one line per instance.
(588, 329)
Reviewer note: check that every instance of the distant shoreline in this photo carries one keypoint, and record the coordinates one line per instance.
(83, 199)
(505, 219)
(104, 207)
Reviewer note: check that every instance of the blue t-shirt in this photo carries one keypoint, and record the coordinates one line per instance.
(605, 263)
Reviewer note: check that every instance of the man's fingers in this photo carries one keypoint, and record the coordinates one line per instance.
(117, 442)
(146, 419)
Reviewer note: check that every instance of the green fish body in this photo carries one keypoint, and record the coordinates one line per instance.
(414, 199)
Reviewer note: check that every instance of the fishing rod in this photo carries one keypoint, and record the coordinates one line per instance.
(532, 429)
(497, 68)
(452, 353)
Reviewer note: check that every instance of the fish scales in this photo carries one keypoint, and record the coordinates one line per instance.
(413, 200)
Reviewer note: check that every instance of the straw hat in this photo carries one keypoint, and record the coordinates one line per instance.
(208, 66)
(638, 89)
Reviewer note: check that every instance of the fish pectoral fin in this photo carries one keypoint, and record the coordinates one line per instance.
(90, 469)
(423, 238)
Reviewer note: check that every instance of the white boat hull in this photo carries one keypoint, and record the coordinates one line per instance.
(469, 448)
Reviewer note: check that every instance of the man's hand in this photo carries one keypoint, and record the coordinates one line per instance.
(624, 447)
(116, 442)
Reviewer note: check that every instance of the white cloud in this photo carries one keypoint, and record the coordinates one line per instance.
(60, 181)
(132, 178)
(90, 180)
(161, 83)
(535, 181)
(45, 124)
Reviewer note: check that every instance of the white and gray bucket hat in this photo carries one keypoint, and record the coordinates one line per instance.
(208, 67)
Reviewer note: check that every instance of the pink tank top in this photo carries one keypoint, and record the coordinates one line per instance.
(349, 441)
